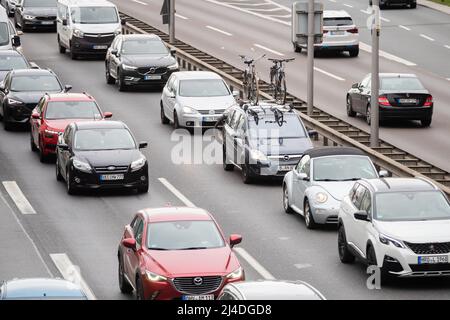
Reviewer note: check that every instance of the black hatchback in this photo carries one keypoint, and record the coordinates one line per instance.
(101, 155)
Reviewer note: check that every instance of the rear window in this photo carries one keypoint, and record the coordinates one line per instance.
(398, 83)
(333, 22)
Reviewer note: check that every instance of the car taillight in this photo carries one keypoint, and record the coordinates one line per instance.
(354, 30)
(383, 101)
(428, 102)
(325, 31)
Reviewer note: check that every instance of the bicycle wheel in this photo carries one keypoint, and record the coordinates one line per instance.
(282, 91)
(254, 90)
(246, 85)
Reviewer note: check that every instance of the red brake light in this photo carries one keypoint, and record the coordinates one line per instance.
(354, 30)
(383, 101)
(428, 102)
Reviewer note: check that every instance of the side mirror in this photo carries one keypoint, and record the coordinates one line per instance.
(303, 176)
(143, 145)
(33, 65)
(383, 174)
(107, 115)
(63, 146)
(123, 22)
(173, 52)
(2, 86)
(129, 243)
(313, 134)
(235, 239)
(20, 33)
(115, 52)
(35, 116)
(361, 215)
(16, 41)
(355, 85)
(236, 93)
(67, 88)
(64, 22)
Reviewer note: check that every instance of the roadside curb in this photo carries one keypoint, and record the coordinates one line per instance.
(434, 5)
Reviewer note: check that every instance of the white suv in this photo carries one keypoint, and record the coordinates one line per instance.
(401, 225)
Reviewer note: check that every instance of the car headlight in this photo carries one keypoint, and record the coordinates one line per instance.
(118, 31)
(13, 102)
(258, 155)
(78, 33)
(28, 17)
(138, 164)
(236, 274)
(155, 277)
(321, 197)
(81, 166)
(386, 240)
(50, 133)
(174, 66)
(127, 67)
(189, 110)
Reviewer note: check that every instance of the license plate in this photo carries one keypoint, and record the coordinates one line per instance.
(100, 47)
(433, 260)
(152, 77)
(203, 297)
(407, 101)
(337, 33)
(209, 119)
(47, 22)
(112, 177)
(286, 168)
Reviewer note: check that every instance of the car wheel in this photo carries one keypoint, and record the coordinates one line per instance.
(109, 78)
(139, 289)
(309, 219)
(344, 254)
(368, 115)
(124, 285)
(425, 123)
(59, 177)
(6, 125)
(42, 156)
(246, 175)
(413, 5)
(62, 49)
(143, 189)
(226, 166)
(350, 111)
(372, 261)
(164, 119)
(32, 144)
(176, 124)
(73, 54)
(121, 82)
(69, 185)
(354, 52)
(297, 48)
(286, 204)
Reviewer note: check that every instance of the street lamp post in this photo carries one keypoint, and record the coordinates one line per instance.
(310, 72)
(375, 81)
(172, 22)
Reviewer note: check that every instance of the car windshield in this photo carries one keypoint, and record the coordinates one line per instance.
(4, 34)
(203, 88)
(331, 22)
(183, 235)
(399, 83)
(268, 128)
(343, 168)
(144, 46)
(94, 15)
(45, 83)
(72, 110)
(411, 206)
(39, 3)
(104, 139)
(12, 62)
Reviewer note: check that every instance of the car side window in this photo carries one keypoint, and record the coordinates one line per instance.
(175, 86)
(304, 165)
(351, 194)
(359, 194)
(366, 202)
(68, 136)
(230, 117)
(40, 105)
(235, 118)
(138, 231)
(240, 128)
(366, 82)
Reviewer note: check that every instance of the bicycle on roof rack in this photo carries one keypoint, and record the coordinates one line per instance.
(251, 80)
(278, 80)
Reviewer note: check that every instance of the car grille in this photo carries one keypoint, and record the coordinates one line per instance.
(188, 285)
(50, 18)
(156, 70)
(112, 169)
(429, 248)
(99, 38)
(430, 267)
(218, 111)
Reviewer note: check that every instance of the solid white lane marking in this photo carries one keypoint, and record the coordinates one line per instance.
(365, 47)
(329, 74)
(384, 19)
(348, 5)
(255, 264)
(177, 193)
(333, 1)
(302, 265)
(366, 11)
(268, 49)
(426, 37)
(219, 30)
(18, 197)
(71, 273)
(447, 46)
(26, 234)
(405, 28)
(181, 17)
(140, 2)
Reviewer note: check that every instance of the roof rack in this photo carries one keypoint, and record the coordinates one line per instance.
(277, 110)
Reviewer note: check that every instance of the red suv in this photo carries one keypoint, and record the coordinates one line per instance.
(176, 253)
(52, 115)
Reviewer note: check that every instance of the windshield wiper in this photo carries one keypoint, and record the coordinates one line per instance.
(162, 249)
(351, 179)
(327, 180)
(193, 248)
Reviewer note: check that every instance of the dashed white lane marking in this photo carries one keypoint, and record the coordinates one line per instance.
(26, 235)
(365, 47)
(268, 49)
(302, 265)
(18, 197)
(219, 30)
(140, 2)
(348, 5)
(426, 37)
(255, 264)
(447, 46)
(177, 193)
(329, 74)
(405, 28)
(71, 273)
(181, 17)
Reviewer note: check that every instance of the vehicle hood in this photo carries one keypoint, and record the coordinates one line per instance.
(108, 157)
(218, 261)
(60, 125)
(284, 146)
(41, 12)
(337, 189)
(416, 231)
(27, 97)
(207, 103)
(141, 60)
(97, 28)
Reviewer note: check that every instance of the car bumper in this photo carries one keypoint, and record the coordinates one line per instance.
(90, 45)
(39, 24)
(135, 78)
(406, 113)
(198, 120)
(271, 168)
(19, 114)
(49, 143)
(397, 2)
(325, 213)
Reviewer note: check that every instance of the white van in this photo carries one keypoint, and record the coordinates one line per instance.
(87, 26)
(9, 37)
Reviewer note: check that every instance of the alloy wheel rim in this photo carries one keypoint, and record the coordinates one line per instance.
(285, 199)
(368, 116)
(307, 218)
(341, 242)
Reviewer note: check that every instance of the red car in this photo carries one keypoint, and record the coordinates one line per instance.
(176, 253)
(52, 115)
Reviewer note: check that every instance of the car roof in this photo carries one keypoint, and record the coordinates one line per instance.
(39, 288)
(3, 15)
(89, 125)
(192, 75)
(31, 72)
(336, 14)
(175, 214)
(400, 184)
(397, 75)
(88, 3)
(135, 36)
(333, 151)
(10, 53)
(276, 290)
(70, 97)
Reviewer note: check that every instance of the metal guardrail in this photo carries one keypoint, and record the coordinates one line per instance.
(354, 137)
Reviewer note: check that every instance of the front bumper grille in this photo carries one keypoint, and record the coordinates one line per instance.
(152, 70)
(430, 267)
(429, 248)
(49, 18)
(207, 112)
(111, 169)
(192, 285)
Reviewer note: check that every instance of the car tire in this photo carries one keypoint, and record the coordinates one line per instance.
(143, 189)
(226, 166)
(140, 295)
(297, 48)
(164, 119)
(368, 115)
(59, 177)
(69, 185)
(121, 82)
(42, 157)
(176, 124)
(124, 285)
(62, 49)
(309, 219)
(354, 52)
(344, 253)
(246, 175)
(413, 6)
(371, 258)
(32, 144)
(109, 78)
(425, 123)
(350, 111)
(286, 205)
(7, 125)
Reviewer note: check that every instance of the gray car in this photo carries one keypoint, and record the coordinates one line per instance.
(322, 177)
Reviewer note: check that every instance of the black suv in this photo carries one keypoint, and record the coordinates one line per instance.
(263, 140)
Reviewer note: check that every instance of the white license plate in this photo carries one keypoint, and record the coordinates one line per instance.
(100, 47)
(407, 101)
(111, 177)
(209, 119)
(286, 168)
(47, 22)
(337, 33)
(152, 77)
(203, 297)
(433, 260)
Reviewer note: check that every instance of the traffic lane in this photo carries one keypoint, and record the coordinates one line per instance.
(330, 93)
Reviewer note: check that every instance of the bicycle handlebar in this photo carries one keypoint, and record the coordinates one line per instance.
(280, 60)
